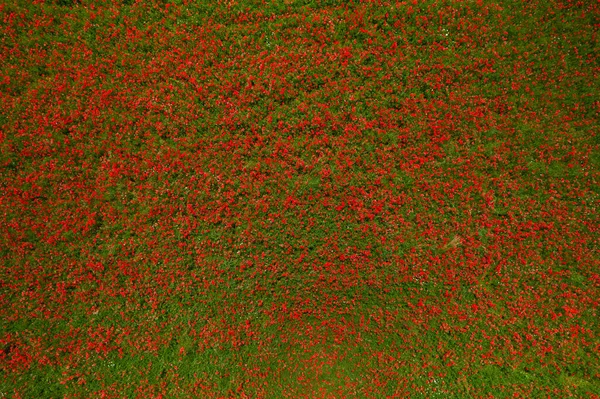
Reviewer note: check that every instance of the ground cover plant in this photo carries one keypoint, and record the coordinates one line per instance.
(299, 199)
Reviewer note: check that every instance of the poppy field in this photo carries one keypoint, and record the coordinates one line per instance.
(299, 199)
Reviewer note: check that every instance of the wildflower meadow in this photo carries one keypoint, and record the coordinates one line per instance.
(299, 199)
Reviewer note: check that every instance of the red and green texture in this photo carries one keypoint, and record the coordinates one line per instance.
(299, 199)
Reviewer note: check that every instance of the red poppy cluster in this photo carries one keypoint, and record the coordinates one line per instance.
(299, 199)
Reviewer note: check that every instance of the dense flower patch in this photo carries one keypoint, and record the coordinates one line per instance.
(299, 199)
